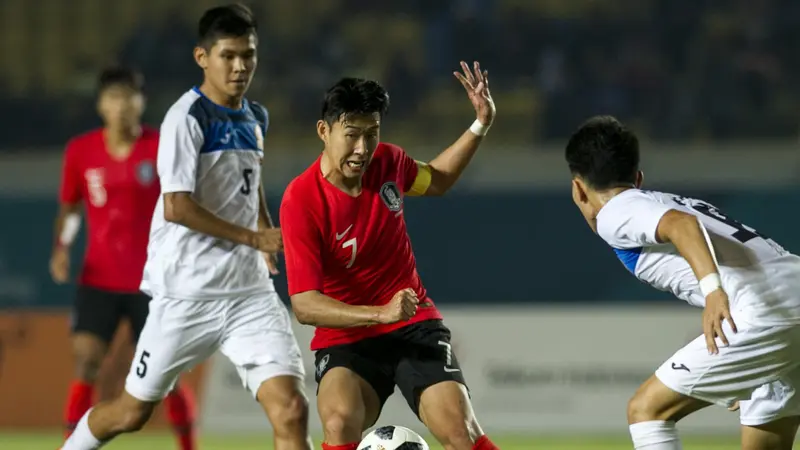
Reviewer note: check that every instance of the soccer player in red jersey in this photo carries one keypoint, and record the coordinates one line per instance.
(353, 276)
(110, 173)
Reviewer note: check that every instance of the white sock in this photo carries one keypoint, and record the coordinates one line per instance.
(82, 438)
(655, 435)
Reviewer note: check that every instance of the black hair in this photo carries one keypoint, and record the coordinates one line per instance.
(604, 153)
(120, 76)
(235, 20)
(354, 96)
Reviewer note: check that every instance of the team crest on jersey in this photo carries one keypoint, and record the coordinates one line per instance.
(145, 173)
(259, 137)
(391, 196)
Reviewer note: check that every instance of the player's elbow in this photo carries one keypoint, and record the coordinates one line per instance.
(440, 183)
(301, 308)
(176, 206)
(435, 190)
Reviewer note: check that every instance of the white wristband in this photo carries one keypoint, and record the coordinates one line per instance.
(479, 129)
(70, 228)
(710, 283)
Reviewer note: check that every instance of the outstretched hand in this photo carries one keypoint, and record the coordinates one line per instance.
(476, 83)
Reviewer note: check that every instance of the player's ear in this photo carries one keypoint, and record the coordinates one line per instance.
(201, 57)
(639, 179)
(323, 130)
(579, 191)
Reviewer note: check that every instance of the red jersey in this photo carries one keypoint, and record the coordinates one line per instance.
(119, 198)
(353, 249)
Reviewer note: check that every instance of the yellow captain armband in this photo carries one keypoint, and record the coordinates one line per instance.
(422, 181)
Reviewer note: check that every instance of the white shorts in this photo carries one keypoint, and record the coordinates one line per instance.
(760, 369)
(254, 332)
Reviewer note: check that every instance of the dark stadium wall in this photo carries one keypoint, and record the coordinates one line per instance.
(471, 248)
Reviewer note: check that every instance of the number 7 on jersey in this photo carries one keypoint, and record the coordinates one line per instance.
(353, 244)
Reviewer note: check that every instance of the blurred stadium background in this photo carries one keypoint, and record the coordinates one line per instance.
(552, 332)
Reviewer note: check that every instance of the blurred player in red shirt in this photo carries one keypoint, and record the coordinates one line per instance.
(110, 173)
(353, 276)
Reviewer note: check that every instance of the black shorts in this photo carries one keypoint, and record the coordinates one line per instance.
(99, 312)
(412, 358)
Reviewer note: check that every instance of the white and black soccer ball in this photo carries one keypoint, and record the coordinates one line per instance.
(392, 437)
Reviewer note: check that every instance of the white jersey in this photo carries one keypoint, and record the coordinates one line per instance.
(762, 279)
(215, 153)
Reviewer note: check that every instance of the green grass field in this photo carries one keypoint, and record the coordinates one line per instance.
(10, 441)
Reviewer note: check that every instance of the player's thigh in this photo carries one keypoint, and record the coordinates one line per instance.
(772, 402)
(755, 356)
(137, 307)
(95, 313)
(776, 435)
(259, 340)
(653, 400)
(428, 360)
(177, 335)
(433, 384)
(353, 383)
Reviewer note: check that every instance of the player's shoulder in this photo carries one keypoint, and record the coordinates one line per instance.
(186, 109)
(630, 197)
(88, 138)
(149, 141)
(386, 157)
(626, 204)
(149, 134)
(389, 151)
(303, 186)
(260, 112)
(88, 142)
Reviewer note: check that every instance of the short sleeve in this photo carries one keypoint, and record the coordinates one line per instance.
(70, 190)
(415, 175)
(179, 145)
(266, 119)
(630, 220)
(302, 242)
(262, 117)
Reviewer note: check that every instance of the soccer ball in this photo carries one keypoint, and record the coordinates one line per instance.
(393, 437)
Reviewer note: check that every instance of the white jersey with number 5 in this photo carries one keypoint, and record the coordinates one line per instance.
(762, 279)
(215, 154)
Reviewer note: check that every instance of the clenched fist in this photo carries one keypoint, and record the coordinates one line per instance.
(401, 307)
(268, 240)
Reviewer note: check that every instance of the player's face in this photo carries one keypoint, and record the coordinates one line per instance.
(351, 142)
(229, 64)
(120, 106)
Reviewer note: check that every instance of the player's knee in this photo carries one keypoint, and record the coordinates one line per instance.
(291, 415)
(87, 366)
(457, 432)
(340, 425)
(88, 353)
(133, 415)
(641, 408)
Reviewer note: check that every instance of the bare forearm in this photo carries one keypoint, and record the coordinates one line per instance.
(448, 166)
(66, 225)
(689, 239)
(319, 310)
(264, 218)
(189, 213)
